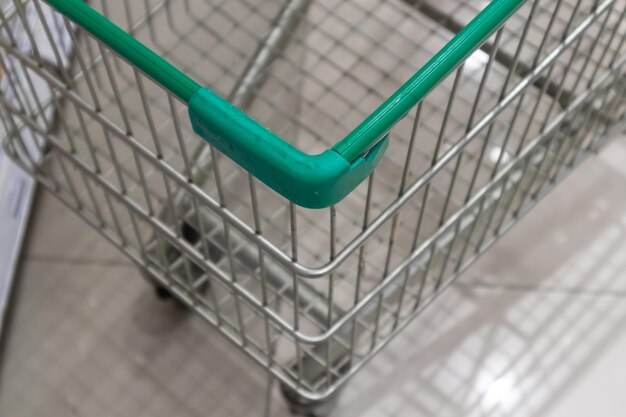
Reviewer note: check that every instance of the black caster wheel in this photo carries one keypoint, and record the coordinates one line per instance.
(300, 406)
(162, 293)
(165, 295)
(191, 235)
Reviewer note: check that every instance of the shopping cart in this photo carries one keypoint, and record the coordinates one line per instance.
(345, 163)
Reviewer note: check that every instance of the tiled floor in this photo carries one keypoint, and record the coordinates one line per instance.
(536, 328)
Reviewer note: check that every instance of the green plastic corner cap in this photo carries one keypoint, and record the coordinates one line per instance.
(311, 181)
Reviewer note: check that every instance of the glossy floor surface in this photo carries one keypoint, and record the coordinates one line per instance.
(536, 328)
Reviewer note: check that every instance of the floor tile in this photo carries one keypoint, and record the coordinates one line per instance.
(535, 329)
(56, 234)
(570, 240)
(495, 359)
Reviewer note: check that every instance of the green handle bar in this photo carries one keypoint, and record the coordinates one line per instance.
(313, 181)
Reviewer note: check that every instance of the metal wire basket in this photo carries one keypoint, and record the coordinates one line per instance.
(409, 176)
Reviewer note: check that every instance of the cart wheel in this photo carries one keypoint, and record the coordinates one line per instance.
(192, 235)
(162, 293)
(165, 295)
(300, 406)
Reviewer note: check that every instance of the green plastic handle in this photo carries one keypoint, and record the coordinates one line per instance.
(377, 124)
(313, 181)
(157, 68)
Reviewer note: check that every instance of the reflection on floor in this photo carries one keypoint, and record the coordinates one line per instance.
(535, 328)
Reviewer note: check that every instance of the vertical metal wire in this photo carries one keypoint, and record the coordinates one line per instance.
(233, 273)
(331, 298)
(53, 45)
(88, 140)
(19, 142)
(179, 137)
(620, 44)
(68, 179)
(544, 89)
(149, 21)
(519, 106)
(94, 203)
(485, 144)
(135, 227)
(105, 11)
(267, 410)
(20, 96)
(361, 263)
(227, 240)
(525, 134)
(561, 147)
(619, 99)
(78, 54)
(7, 28)
(264, 285)
(39, 111)
(148, 114)
(442, 129)
(143, 183)
(556, 99)
(568, 67)
(592, 48)
(407, 162)
(621, 18)
(206, 250)
(93, 60)
(455, 170)
(296, 293)
(573, 145)
(113, 83)
(24, 110)
(129, 17)
(589, 120)
(19, 7)
(114, 218)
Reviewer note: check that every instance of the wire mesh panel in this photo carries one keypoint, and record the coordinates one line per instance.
(311, 295)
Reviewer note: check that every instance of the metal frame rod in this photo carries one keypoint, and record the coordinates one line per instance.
(502, 57)
(243, 93)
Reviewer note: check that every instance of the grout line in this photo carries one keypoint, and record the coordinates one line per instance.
(80, 261)
(542, 289)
